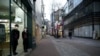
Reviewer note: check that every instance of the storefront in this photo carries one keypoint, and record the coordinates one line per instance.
(84, 20)
(13, 12)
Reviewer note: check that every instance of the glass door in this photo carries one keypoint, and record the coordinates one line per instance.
(4, 28)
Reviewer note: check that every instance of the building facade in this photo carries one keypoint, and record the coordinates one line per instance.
(39, 19)
(57, 23)
(15, 12)
(82, 17)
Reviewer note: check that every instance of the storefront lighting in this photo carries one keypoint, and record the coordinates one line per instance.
(4, 20)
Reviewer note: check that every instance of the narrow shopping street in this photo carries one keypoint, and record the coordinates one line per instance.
(49, 28)
(50, 46)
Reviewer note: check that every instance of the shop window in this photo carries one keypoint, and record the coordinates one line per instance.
(4, 28)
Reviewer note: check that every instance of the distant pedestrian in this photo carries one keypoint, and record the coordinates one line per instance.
(25, 39)
(15, 36)
(70, 34)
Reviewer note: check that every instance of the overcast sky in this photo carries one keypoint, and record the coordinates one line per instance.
(48, 6)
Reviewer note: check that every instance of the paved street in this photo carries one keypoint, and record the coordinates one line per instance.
(77, 47)
(50, 46)
(45, 48)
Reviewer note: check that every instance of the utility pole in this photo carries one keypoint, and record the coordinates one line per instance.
(43, 21)
(52, 18)
(42, 10)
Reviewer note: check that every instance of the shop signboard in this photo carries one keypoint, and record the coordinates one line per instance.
(2, 33)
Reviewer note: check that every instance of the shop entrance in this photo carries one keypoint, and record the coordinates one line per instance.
(18, 16)
(4, 28)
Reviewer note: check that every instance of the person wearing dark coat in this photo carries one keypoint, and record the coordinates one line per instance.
(25, 39)
(70, 34)
(15, 36)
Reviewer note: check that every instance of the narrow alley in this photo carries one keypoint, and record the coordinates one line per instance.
(49, 27)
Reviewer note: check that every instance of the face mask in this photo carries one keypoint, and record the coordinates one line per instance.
(25, 30)
(16, 27)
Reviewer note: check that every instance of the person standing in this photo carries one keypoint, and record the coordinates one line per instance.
(15, 36)
(70, 34)
(25, 39)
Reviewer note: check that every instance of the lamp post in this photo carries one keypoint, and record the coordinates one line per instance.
(43, 20)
